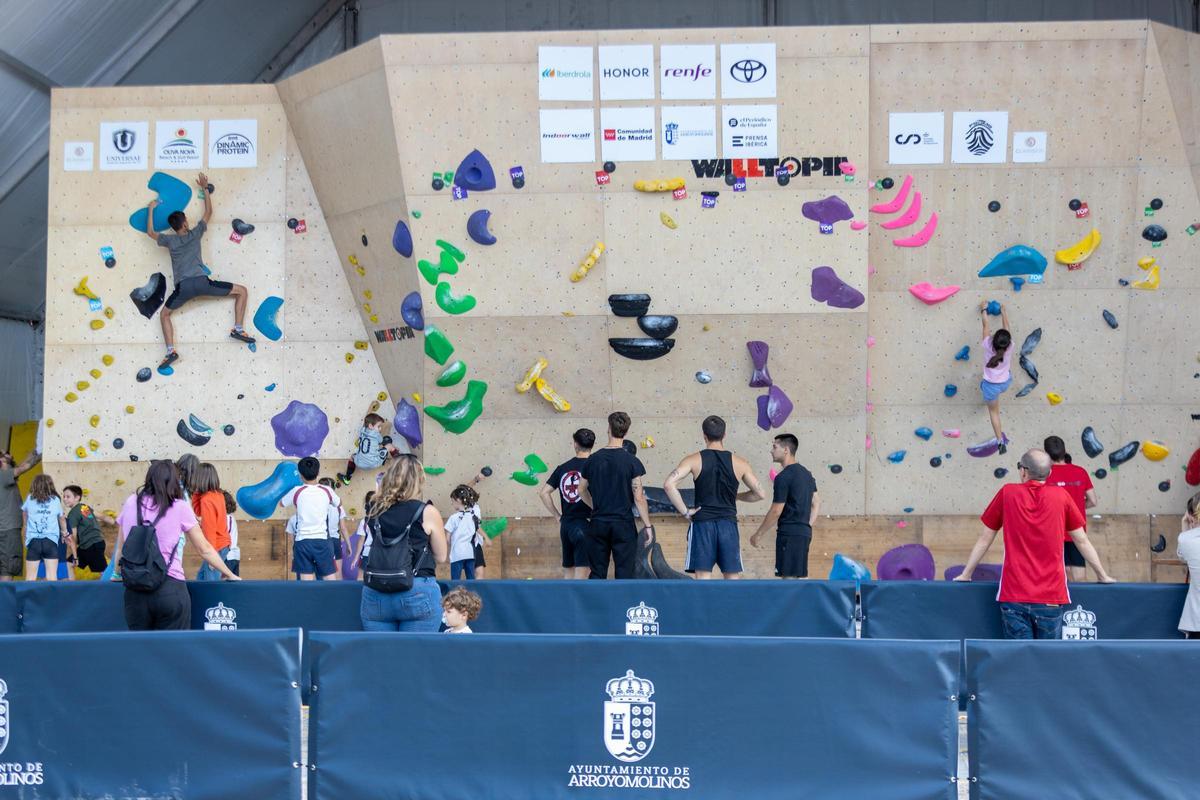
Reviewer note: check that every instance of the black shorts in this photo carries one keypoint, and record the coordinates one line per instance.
(480, 561)
(201, 286)
(41, 549)
(92, 557)
(791, 555)
(1071, 555)
(336, 544)
(573, 533)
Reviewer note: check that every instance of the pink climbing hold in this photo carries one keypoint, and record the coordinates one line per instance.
(929, 294)
(901, 524)
(871, 270)
(951, 433)
(772, 473)
(870, 341)
(870, 407)
(868, 377)
(848, 168)
(869, 442)
(857, 225)
(897, 202)
(920, 237)
(908, 217)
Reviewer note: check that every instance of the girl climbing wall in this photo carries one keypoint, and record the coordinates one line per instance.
(997, 370)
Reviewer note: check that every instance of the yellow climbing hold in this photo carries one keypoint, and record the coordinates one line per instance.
(94, 421)
(95, 373)
(81, 452)
(82, 289)
(1151, 280)
(665, 218)
(129, 409)
(349, 357)
(97, 324)
(374, 406)
(82, 385)
(1054, 397)
(531, 375)
(362, 273)
(120, 481)
(706, 328)
(107, 360)
(648, 442)
(367, 294)
(353, 259)
(93, 445)
(1155, 451)
(373, 318)
(108, 312)
(550, 396)
(354, 512)
(71, 397)
(588, 262)
(360, 345)
(381, 396)
(662, 185)
(1078, 252)
(568, 313)
(1147, 262)
(367, 307)
(50, 423)
(416, 396)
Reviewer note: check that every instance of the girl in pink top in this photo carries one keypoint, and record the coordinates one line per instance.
(997, 371)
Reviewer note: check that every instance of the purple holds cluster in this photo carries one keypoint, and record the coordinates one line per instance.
(300, 429)
(407, 423)
(774, 408)
(828, 288)
(827, 211)
(759, 351)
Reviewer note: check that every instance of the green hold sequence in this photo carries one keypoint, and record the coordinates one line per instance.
(437, 346)
(451, 304)
(452, 374)
(457, 416)
(534, 465)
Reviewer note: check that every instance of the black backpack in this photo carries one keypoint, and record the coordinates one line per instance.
(391, 567)
(142, 565)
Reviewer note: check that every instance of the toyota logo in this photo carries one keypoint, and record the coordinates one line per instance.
(748, 71)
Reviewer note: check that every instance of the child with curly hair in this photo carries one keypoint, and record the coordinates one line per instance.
(460, 606)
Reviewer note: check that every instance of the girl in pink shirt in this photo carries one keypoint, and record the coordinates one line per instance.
(997, 370)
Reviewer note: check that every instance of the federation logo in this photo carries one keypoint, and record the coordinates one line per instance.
(641, 620)
(568, 486)
(629, 718)
(123, 140)
(979, 137)
(748, 70)
(220, 618)
(1079, 624)
(5, 721)
(669, 132)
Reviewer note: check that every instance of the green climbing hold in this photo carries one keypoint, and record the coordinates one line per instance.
(452, 374)
(416, 214)
(449, 303)
(447, 265)
(457, 416)
(437, 346)
(451, 250)
(434, 470)
(494, 527)
(529, 476)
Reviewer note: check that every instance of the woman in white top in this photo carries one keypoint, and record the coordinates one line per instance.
(1189, 553)
(461, 528)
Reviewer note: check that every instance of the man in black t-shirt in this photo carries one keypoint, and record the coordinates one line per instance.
(575, 515)
(612, 486)
(794, 506)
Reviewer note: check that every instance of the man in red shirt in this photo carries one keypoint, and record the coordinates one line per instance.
(1036, 518)
(1078, 484)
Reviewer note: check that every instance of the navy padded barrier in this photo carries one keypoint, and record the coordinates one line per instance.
(10, 619)
(71, 607)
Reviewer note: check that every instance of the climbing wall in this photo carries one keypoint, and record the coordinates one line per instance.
(218, 380)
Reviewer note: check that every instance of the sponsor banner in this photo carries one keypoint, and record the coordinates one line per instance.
(748, 70)
(565, 73)
(917, 138)
(979, 137)
(687, 71)
(234, 143)
(689, 132)
(1029, 147)
(627, 134)
(749, 131)
(627, 72)
(178, 145)
(742, 168)
(78, 156)
(123, 145)
(568, 135)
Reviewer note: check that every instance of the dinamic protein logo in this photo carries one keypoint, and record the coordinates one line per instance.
(748, 70)
(979, 137)
(233, 144)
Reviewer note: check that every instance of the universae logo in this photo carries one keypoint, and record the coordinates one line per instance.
(123, 140)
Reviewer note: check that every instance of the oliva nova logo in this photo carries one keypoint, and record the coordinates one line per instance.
(551, 72)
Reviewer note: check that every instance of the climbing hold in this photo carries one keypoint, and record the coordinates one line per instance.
(402, 241)
(198, 425)
(828, 288)
(774, 408)
(363, 238)
(1016, 260)
(964, 354)
(848, 169)
(150, 297)
(361, 344)
(407, 423)
(759, 351)
(259, 499)
(994, 206)
(887, 183)
(447, 265)
(95, 373)
(293, 223)
(1151, 280)
(129, 409)
(951, 433)
(641, 349)
(194, 439)
(242, 228)
(647, 442)
(985, 449)
(897, 456)
(97, 324)
(923, 433)
(659, 185)
(1101, 473)
(936, 461)
(730, 179)
(416, 214)
(416, 396)
(450, 303)
(531, 375)
(1154, 233)
(910, 215)
(437, 346)
(173, 195)
(550, 396)
(452, 374)
(703, 377)
(533, 466)
(1017, 282)
(494, 527)
(783, 178)
(826, 212)
(349, 358)
(993, 308)
(82, 289)
(950, 390)
(1156, 204)
(300, 429)
(920, 237)
(857, 225)
(457, 416)
(227, 430)
(1077, 253)
(1164, 486)
(434, 470)
(1054, 397)
(1110, 319)
(411, 311)
(1118, 457)
(1091, 445)
(1154, 451)
(475, 173)
(144, 374)
(81, 452)
(610, 167)
(660, 326)
(71, 397)
(929, 294)
(897, 202)
(629, 305)
(265, 318)
(588, 262)
(437, 183)
(94, 421)
(666, 219)
(82, 386)
(109, 313)
(836, 469)
(1000, 472)
(477, 227)
(1074, 204)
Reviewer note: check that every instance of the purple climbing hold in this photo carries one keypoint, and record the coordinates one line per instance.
(300, 429)
(764, 421)
(761, 378)
(402, 239)
(907, 562)
(412, 311)
(826, 212)
(407, 423)
(985, 449)
(828, 288)
(475, 173)
(774, 408)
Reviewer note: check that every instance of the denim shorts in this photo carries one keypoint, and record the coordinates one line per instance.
(713, 542)
(418, 609)
(992, 391)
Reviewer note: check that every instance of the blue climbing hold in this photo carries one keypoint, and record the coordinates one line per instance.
(1017, 282)
(950, 390)
(173, 195)
(477, 227)
(270, 387)
(847, 569)
(897, 456)
(993, 308)
(264, 318)
(908, 510)
(475, 173)
(1017, 260)
(402, 239)
(259, 500)
(166, 370)
(924, 433)
(964, 354)
(411, 311)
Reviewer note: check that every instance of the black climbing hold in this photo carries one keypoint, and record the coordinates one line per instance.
(1000, 472)
(610, 167)
(887, 183)
(710, 194)
(641, 349)
(730, 179)
(1160, 545)
(629, 305)
(660, 326)
(211, 188)
(227, 430)
(242, 228)
(110, 262)
(1091, 445)
(1074, 204)
(1154, 233)
(1156, 204)
(1110, 319)
(194, 439)
(133, 458)
(144, 374)
(836, 469)
(486, 472)
(1122, 281)
(241, 397)
(1118, 457)
(936, 461)
(1164, 486)
(783, 178)
(293, 222)
(364, 239)
(994, 206)
(148, 298)
(1101, 474)
(518, 183)
(438, 184)
(118, 443)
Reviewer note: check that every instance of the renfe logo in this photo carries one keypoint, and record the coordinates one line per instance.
(695, 73)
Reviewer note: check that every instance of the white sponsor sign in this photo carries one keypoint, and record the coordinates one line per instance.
(78, 156)
(689, 132)
(748, 70)
(979, 137)
(568, 135)
(749, 131)
(178, 145)
(917, 138)
(627, 134)
(565, 73)
(687, 71)
(123, 145)
(627, 72)
(1029, 147)
(233, 143)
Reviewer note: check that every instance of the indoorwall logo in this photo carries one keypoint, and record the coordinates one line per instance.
(765, 167)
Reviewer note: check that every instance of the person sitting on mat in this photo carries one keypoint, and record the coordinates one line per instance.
(190, 274)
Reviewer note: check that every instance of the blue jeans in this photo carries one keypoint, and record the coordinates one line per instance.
(457, 568)
(210, 573)
(418, 609)
(1031, 620)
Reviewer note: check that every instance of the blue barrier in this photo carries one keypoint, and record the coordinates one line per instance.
(945, 610)
(123, 715)
(10, 613)
(71, 607)
(551, 716)
(1076, 720)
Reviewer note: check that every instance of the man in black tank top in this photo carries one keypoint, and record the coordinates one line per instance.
(713, 538)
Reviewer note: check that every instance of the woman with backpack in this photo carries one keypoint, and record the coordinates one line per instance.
(406, 538)
(153, 524)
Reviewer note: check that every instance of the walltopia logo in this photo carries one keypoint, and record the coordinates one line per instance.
(551, 72)
(765, 167)
(14, 773)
